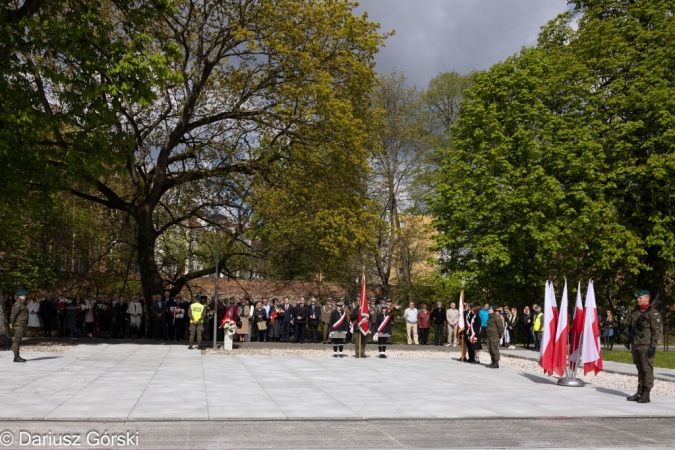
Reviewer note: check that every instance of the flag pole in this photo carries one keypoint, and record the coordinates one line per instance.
(571, 379)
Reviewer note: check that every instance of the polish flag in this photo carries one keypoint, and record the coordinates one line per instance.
(460, 324)
(550, 322)
(591, 356)
(364, 313)
(577, 328)
(562, 331)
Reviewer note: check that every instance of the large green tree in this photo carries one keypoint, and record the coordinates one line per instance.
(562, 158)
(205, 109)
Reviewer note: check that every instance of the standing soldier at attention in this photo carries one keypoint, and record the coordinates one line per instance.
(383, 329)
(644, 331)
(494, 332)
(338, 324)
(326, 311)
(18, 321)
(196, 315)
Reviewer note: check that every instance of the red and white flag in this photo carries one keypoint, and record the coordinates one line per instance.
(577, 329)
(460, 323)
(591, 356)
(364, 313)
(550, 322)
(562, 331)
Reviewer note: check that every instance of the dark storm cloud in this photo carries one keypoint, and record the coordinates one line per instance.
(433, 36)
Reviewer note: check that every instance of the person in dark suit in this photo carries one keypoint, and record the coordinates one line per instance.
(314, 318)
(438, 318)
(159, 312)
(180, 315)
(287, 319)
(300, 314)
(47, 314)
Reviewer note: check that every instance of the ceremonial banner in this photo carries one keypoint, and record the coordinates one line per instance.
(591, 356)
(562, 332)
(364, 313)
(550, 322)
(460, 324)
(577, 328)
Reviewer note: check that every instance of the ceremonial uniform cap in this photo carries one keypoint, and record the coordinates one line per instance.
(641, 292)
(341, 303)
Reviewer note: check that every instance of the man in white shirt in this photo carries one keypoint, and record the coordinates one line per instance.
(410, 317)
(452, 315)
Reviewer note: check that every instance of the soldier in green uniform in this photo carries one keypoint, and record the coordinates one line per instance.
(494, 332)
(645, 330)
(18, 321)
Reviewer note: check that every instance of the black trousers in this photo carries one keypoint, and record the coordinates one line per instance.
(527, 336)
(513, 338)
(438, 333)
(63, 330)
(299, 332)
(424, 335)
(313, 331)
(262, 335)
(180, 329)
(171, 327)
(285, 331)
(159, 328)
(47, 326)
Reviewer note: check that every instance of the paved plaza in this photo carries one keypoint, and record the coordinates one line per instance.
(136, 382)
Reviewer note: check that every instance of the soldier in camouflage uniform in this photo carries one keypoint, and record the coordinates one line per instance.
(494, 332)
(18, 320)
(647, 320)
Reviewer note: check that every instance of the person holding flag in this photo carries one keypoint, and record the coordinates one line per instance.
(383, 329)
(644, 333)
(360, 319)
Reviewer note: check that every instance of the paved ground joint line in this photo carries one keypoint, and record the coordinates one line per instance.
(149, 381)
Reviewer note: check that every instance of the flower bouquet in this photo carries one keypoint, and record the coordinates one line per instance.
(62, 302)
(228, 325)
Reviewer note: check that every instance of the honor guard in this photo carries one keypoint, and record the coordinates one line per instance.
(18, 320)
(359, 337)
(383, 329)
(494, 331)
(644, 332)
(339, 324)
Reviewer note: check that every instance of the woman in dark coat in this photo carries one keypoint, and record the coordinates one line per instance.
(526, 323)
(472, 334)
(260, 319)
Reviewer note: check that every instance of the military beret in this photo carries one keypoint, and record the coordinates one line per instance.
(22, 292)
(493, 307)
(641, 292)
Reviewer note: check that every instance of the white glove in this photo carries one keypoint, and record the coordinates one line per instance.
(375, 337)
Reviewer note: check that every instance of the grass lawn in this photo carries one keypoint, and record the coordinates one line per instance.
(662, 359)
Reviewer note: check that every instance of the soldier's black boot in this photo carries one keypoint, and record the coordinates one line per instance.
(635, 396)
(644, 398)
(18, 358)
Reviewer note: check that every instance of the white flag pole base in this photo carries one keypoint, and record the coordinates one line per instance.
(571, 382)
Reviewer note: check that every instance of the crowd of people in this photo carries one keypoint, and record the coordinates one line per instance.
(113, 317)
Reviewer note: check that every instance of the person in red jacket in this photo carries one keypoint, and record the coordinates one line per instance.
(423, 324)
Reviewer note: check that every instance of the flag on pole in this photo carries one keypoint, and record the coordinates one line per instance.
(591, 355)
(546, 346)
(364, 313)
(562, 331)
(577, 328)
(460, 324)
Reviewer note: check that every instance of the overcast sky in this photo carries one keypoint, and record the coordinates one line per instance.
(434, 36)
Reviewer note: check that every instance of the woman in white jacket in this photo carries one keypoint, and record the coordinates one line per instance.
(135, 311)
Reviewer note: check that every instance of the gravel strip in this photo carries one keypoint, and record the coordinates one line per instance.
(52, 348)
(603, 379)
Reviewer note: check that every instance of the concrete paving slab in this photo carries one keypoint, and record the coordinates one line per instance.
(131, 382)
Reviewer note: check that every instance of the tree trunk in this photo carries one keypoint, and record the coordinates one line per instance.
(5, 337)
(151, 280)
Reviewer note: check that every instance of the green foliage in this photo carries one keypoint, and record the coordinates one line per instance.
(561, 163)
